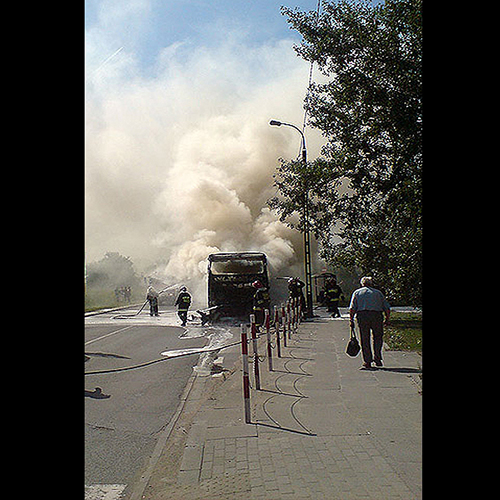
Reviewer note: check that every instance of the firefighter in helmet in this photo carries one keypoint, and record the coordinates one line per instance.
(333, 294)
(152, 298)
(261, 301)
(183, 302)
(295, 286)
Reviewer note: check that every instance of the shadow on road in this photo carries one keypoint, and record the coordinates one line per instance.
(400, 370)
(96, 394)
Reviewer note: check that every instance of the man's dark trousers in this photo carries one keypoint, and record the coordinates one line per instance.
(371, 321)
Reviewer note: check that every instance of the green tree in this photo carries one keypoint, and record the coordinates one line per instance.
(113, 270)
(366, 187)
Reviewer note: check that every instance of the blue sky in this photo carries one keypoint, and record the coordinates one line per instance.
(148, 26)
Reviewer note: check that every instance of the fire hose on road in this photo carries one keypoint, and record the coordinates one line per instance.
(125, 316)
(208, 349)
(174, 354)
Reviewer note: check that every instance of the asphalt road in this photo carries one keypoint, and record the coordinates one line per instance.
(125, 411)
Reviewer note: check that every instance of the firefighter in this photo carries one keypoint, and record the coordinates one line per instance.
(152, 298)
(295, 286)
(261, 301)
(333, 294)
(183, 302)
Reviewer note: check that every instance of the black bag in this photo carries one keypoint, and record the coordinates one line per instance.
(353, 347)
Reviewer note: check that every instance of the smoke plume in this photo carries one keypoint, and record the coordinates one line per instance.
(180, 158)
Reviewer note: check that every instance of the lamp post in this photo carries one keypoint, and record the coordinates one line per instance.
(307, 241)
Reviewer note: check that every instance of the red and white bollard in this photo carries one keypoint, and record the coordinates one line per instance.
(277, 328)
(253, 328)
(283, 322)
(295, 305)
(246, 374)
(288, 319)
(267, 324)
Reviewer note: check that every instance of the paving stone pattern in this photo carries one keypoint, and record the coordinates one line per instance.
(321, 428)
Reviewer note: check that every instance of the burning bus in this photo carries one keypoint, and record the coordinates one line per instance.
(230, 278)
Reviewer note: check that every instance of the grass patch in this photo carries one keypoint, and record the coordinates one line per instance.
(404, 332)
(102, 298)
(99, 299)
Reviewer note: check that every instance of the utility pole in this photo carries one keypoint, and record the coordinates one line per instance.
(307, 239)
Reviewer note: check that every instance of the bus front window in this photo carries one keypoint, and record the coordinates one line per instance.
(237, 267)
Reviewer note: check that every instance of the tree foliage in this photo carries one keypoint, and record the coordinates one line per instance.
(366, 187)
(113, 270)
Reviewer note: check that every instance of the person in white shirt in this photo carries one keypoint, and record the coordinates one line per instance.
(369, 306)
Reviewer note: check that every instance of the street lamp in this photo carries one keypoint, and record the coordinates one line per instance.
(307, 242)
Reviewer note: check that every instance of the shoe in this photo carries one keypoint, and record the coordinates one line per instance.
(378, 362)
(366, 366)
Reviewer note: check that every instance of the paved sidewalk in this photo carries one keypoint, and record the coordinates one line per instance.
(321, 428)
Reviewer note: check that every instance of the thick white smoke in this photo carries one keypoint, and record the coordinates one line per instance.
(179, 163)
(214, 196)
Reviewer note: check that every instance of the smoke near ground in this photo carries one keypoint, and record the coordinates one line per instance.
(180, 156)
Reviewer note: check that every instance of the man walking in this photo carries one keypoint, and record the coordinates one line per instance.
(370, 306)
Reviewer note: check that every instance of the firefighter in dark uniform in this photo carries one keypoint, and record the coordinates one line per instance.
(333, 294)
(183, 302)
(152, 298)
(295, 287)
(261, 301)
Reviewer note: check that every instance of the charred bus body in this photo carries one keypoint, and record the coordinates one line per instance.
(230, 278)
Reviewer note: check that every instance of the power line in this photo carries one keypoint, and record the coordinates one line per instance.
(318, 8)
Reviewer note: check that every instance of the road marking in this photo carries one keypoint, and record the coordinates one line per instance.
(104, 491)
(109, 334)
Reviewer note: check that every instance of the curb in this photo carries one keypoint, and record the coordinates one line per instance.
(141, 485)
(138, 491)
(111, 309)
